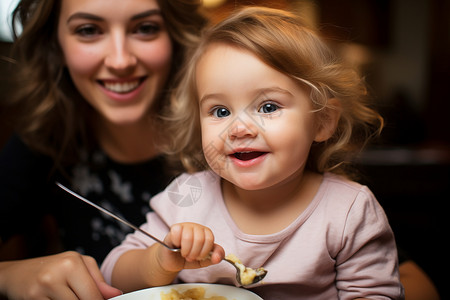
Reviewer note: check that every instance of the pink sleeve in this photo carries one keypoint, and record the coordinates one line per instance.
(367, 262)
(136, 240)
(165, 212)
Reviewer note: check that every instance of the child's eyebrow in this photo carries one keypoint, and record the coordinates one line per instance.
(210, 96)
(258, 93)
(275, 89)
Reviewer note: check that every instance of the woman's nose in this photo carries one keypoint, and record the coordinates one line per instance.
(120, 56)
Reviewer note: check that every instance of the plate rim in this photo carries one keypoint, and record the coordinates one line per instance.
(184, 285)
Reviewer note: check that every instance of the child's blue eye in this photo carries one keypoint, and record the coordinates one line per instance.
(268, 108)
(220, 112)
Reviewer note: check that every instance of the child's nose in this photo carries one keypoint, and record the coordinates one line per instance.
(240, 129)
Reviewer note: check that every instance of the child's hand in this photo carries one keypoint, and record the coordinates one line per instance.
(197, 246)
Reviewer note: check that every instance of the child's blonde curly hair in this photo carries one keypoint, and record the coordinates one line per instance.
(281, 40)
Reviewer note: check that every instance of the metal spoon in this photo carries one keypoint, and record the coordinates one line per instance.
(104, 210)
(245, 275)
(241, 270)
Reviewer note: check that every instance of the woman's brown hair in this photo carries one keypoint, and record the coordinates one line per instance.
(52, 117)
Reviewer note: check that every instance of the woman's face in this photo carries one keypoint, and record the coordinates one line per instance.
(118, 54)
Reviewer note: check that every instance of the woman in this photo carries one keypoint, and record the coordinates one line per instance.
(92, 75)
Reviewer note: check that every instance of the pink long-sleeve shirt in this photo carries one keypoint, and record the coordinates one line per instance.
(340, 247)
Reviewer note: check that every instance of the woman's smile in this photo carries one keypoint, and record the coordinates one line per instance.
(121, 86)
(123, 91)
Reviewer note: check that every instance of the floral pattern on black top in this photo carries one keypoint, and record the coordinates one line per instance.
(124, 189)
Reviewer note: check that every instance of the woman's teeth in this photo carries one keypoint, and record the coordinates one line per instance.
(121, 87)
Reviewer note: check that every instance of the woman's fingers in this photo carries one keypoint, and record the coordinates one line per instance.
(86, 281)
(65, 275)
(76, 276)
(106, 290)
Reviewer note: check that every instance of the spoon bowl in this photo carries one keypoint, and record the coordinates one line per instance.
(245, 275)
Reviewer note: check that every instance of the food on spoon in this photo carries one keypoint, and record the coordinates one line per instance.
(190, 294)
(247, 274)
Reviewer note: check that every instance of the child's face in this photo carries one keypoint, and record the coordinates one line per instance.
(257, 123)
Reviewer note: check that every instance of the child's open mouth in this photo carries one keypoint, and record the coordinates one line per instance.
(248, 155)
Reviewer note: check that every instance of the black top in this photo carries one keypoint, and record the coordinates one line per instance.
(29, 196)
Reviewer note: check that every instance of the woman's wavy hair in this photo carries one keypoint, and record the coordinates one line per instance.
(52, 117)
(281, 40)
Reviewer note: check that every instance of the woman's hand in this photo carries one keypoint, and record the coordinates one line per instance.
(67, 275)
(197, 246)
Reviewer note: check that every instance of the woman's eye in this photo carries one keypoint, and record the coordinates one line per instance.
(148, 29)
(87, 31)
(220, 112)
(268, 108)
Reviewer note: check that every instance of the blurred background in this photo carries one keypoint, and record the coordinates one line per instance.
(402, 48)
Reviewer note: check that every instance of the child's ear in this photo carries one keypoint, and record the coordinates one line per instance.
(328, 120)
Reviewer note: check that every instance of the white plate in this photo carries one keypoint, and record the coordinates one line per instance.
(227, 291)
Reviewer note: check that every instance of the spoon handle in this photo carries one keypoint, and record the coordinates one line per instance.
(104, 210)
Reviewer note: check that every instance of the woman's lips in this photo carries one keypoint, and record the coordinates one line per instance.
(122, 86)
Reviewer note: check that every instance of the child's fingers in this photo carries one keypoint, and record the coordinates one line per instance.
(195, 240)
(207, 245)
(202, 243)
(214, 257)
(187, 241)
(182, 236)
(175, 235)
(217, 254)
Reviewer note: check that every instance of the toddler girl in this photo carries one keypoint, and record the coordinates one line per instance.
(264, 119)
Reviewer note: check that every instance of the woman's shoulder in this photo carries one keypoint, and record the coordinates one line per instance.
(16, 155)
(15, 145)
